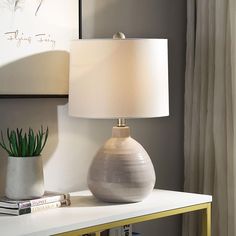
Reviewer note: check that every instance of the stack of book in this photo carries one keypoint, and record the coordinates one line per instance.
(48, 201)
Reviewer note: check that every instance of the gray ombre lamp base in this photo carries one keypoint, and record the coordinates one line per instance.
(121, 171)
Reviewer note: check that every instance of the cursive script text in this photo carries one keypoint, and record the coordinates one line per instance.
(45, 38)
(18, 37)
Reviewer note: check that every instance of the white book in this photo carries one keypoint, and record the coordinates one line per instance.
(125, 230)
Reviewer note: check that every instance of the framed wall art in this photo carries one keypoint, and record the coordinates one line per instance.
(34, 46)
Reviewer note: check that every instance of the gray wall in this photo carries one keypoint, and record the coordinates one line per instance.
(162, 137)
(73, 142)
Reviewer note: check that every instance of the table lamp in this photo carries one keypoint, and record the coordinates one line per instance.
(117, 79)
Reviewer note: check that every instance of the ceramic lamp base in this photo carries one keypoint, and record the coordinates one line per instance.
(121, 171)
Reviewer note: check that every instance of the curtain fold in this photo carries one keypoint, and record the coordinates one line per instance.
(209, 111)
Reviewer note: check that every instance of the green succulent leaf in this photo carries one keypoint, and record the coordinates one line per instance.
(24, 144)
(45, 139)
(31, 142)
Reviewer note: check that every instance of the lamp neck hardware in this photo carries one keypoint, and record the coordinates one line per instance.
(121, 122)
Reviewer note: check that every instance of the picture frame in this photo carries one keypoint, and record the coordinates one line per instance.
(35, 40)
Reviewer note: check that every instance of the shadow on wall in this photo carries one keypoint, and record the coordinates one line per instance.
(43, 73)
(72, 142)
(25, 113)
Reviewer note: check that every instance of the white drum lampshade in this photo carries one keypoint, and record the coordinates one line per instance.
(114, 78)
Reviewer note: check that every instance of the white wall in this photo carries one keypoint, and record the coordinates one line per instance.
(72, 142)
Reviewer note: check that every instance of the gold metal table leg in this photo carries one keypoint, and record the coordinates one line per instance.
(206, 221)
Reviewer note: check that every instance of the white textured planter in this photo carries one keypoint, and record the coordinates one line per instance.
(24, 178)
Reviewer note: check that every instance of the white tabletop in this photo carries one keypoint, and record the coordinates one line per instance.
(86, 211)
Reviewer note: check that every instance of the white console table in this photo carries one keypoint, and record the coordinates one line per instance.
(86, 214)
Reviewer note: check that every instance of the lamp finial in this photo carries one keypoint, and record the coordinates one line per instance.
(119, 35)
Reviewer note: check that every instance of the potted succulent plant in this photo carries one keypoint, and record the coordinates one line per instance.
(24, 176)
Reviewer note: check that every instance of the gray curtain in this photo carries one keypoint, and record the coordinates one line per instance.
(210, 164)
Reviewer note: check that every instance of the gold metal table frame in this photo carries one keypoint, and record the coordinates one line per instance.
(205, 208)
